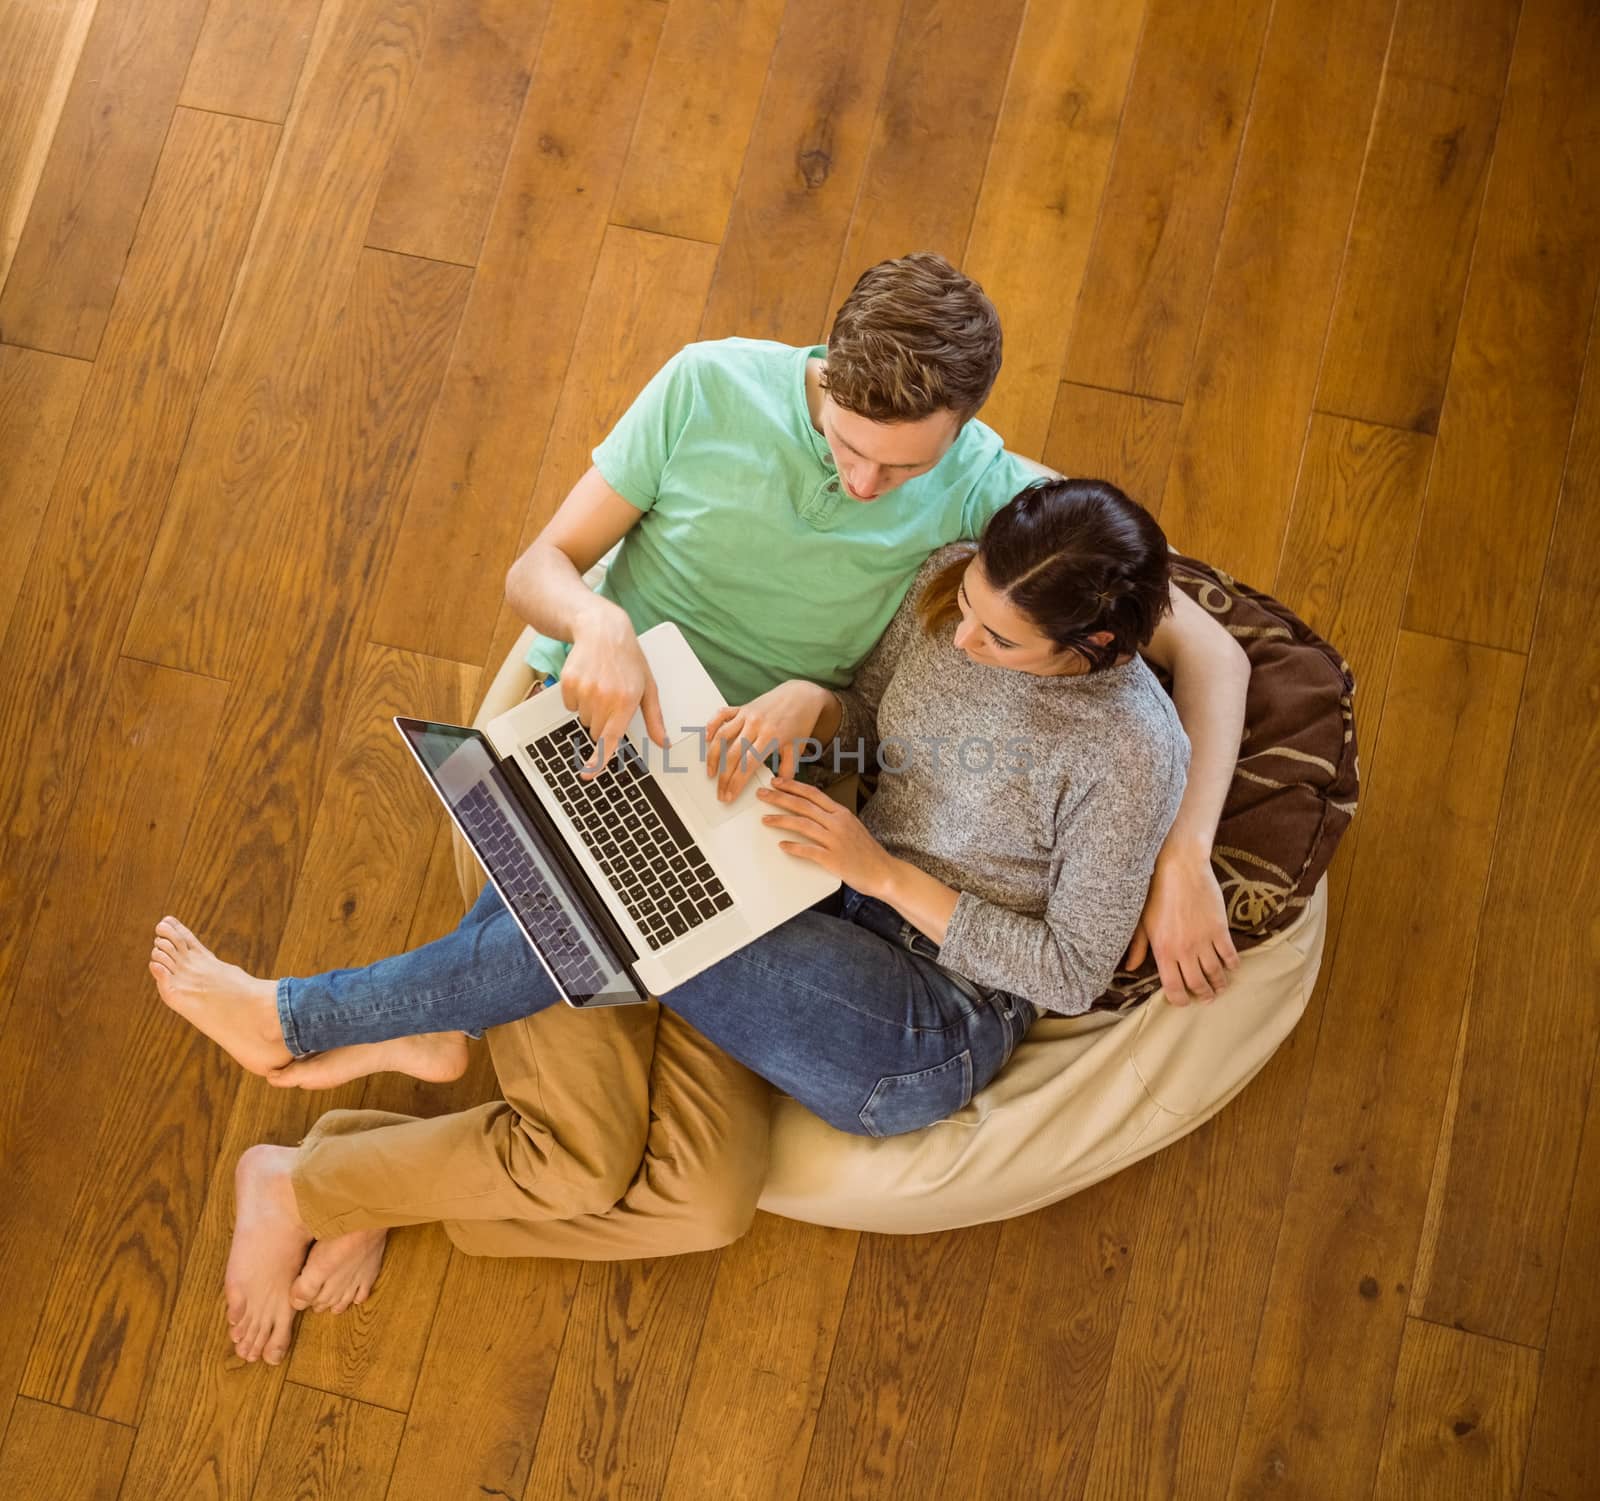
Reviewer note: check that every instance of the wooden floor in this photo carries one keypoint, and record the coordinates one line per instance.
(310, 314)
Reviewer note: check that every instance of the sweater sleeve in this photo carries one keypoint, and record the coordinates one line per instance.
(1107, 839)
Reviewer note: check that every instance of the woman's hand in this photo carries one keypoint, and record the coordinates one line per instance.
(840, 843)
(740, 739)
(1185, 922)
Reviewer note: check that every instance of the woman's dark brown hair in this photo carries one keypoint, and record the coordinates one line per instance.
(1076, 557)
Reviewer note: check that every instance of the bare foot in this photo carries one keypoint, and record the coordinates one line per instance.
(340, 1271)
(437, 1057)
(268, 1251)
(236, 1011)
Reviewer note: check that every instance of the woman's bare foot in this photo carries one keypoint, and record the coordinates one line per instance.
(339, 1272)
(437, 1057)
(268, 1252)
(236, 1011)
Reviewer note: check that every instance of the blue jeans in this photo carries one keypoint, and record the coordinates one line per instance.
(844, 1007)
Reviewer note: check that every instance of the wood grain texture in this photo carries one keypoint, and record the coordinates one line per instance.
(248, 57)
(92, 545)
(930, 143)
(764, 1355)
(1145, 285)
(1038, 1372)
(43, 45)
(1519, 353)
(1459, 1425)
(909, 1327)
(1563, 1461)
(624, 1371)
(492, 1355)
(1348, 553)
(802, 169)
(1394, 319)
(225, 524)
(1256, 360)
(326, 1448)
(1112, 436)
(615, 354)
(102, 158)
(445, 582)
(50, 1452)
(1336, 1303)
(448, 160)
(695, 123)
(1041, 190)
(84, 979)
(1534, 1027)
(39, 396)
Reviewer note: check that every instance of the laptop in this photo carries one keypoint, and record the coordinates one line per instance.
(630, 882)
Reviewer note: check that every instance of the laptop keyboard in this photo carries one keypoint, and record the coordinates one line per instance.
(529, 893)
(634, 834)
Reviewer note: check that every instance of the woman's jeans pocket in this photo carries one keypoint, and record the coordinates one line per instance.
(908, 1102)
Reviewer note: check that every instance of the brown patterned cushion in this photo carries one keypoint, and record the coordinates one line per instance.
(1294, 792)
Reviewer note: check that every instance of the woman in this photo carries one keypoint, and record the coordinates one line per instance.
(1030, 766)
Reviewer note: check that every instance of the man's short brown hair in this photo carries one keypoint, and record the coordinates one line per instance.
(915, 336)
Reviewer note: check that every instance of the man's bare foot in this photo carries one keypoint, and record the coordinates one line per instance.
(268, 1251)
(339, 1272)
(437, 1057)
(236, 1011)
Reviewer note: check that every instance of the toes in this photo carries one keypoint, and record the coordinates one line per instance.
(165, 945)
(304, 1291)
(277, 1345)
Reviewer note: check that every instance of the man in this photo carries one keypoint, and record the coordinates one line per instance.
(776, 502)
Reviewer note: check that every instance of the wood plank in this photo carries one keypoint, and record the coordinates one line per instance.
(52, 1452)
(1255, 368)
(248, 58)
(1038, 1373)
(1394, 319)
(1462, 1407)
(85, 979)
(763, 1359)
(1563, 1460)
(43, 45)
(444, 583)
(624, 1369)
(1109, 435)
(1348, 554)
(802, 170)
(1149, 271)
(39, 396)
(1036, 212)
(1336, 1304)
(931, 140)
(96, 535)
(252, 819)
(326, 1448)
(616, 352)
(446, 165)
(910, 1324)
(225, 526)
(478, 1407)
(1518, 356)
(697, 117)
(102, 159)
(1534, 1029)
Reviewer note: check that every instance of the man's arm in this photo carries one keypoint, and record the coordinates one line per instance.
(606, 677)
(1184, 919)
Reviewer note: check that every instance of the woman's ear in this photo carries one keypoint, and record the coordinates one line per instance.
(1101, 638)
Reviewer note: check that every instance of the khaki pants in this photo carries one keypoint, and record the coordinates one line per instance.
(622, 1133)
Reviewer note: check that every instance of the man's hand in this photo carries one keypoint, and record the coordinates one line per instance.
(739, 739)
(1185, 922)
(840, 843)
(606, 678)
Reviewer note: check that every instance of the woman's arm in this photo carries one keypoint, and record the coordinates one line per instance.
(1184, 918)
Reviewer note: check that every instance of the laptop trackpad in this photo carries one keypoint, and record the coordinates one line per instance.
(693, 786)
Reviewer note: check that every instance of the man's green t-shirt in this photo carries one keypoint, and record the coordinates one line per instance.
(749, 542)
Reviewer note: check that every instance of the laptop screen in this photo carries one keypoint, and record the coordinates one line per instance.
(480, 799)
